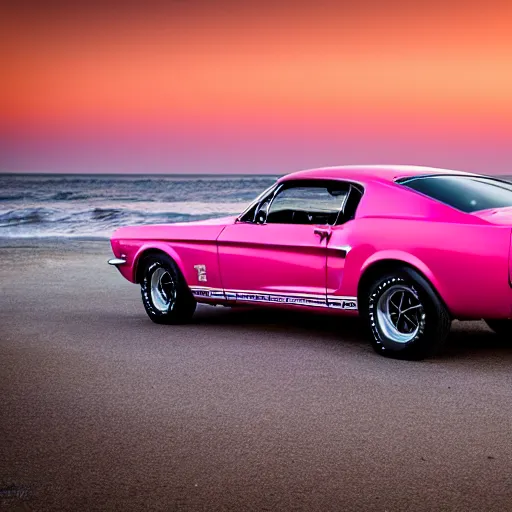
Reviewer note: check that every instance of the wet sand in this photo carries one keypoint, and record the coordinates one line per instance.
(240, 410)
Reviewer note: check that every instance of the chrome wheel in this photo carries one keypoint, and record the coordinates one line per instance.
(163, 290)
(399, 313)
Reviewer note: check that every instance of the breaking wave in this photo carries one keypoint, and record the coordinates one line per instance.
(68, 206)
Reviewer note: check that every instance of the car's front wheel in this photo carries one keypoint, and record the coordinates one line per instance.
(404, 315)
(165, 294)
(502, 327)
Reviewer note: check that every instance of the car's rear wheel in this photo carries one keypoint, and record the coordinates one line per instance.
(405, 317)
(165, 294)
(502, 327)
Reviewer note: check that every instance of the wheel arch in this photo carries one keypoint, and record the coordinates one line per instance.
(387, 263)
(148, 250)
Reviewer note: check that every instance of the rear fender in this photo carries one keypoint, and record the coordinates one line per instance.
(408, 259)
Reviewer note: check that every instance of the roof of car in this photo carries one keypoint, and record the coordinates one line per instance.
(363, 173)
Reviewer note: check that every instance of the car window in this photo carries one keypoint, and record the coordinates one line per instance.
(466, 193)
(307, 205)
(266, 196)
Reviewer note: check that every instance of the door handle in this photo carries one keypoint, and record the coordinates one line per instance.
(322, 233)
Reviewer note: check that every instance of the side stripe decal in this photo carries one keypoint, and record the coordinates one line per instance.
(301, 299)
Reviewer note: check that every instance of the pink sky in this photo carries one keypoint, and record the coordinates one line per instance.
(256, 87)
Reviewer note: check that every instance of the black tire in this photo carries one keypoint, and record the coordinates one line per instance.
(426, 325)
(502, 327)
(168, 284)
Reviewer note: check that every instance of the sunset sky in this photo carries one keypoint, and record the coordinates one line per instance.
(270, 86)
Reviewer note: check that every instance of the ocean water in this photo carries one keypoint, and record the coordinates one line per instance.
(33, 206)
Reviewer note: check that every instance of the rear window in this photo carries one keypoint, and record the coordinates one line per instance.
(466, 193)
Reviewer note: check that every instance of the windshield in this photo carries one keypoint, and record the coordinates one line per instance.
(466, 193)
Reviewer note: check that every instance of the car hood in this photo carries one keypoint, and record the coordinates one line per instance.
(222, 221)
(206, 230)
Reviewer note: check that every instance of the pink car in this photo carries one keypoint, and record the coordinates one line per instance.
(407, 248)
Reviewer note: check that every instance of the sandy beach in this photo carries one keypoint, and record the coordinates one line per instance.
(240, 410)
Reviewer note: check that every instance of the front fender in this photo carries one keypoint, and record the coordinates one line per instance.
(133, 250)
(156, 246)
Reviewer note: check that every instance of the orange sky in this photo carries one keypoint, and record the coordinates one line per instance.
(435, 70)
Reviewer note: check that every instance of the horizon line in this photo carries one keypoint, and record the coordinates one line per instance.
(7, 173)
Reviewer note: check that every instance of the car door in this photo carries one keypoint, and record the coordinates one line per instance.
(278, 252)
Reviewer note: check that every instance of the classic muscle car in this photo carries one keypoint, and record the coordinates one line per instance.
(407, 248)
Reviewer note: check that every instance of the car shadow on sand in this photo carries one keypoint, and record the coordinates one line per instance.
(265, 317)
(472, 339)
